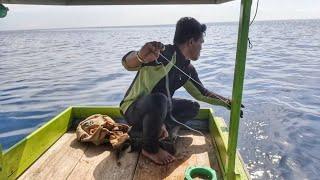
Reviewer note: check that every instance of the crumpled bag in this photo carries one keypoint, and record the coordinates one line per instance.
(99, 129)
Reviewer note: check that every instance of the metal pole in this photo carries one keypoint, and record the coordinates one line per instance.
(238, 85)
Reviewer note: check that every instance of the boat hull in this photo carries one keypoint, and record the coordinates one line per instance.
(14, 161)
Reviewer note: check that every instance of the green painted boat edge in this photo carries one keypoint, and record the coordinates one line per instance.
(23, 154)
(2, 175)
(80, 112)
(219, 132)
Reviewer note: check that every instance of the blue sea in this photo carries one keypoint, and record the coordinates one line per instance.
(42, 72)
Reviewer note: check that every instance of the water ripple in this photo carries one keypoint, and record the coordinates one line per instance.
(44, 71)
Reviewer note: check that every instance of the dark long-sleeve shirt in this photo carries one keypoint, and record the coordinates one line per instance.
(151, 78)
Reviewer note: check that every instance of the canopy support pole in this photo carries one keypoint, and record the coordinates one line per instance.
(239, 70)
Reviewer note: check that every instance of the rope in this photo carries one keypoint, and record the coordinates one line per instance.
(170, 100)
(254, 17)
(169, 95)
(255, 14)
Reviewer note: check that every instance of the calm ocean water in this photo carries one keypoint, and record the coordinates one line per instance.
(44, 71)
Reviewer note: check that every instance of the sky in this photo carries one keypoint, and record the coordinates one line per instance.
(44, 17)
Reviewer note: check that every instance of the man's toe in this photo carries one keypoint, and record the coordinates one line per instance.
(171, 156)
(159, 162)
(167, 160)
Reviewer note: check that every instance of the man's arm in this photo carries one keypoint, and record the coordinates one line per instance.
(199, 92)
(149, 52)
(131, 62)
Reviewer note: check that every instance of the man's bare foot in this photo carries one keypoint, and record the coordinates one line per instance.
(162, 157)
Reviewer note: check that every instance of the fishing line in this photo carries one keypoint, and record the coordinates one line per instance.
(255, 14)
(167, 82)
(169, 94)
(254, 17)
(191, 78)
(170, 103)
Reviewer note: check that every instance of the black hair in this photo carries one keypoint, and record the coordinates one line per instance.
(187, 28)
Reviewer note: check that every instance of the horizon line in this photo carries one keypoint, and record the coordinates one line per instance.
(141, 26)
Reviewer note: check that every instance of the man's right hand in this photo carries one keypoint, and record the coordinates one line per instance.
(163, 132)
(151, 51)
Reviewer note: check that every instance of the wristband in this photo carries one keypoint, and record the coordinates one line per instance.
(140, 58)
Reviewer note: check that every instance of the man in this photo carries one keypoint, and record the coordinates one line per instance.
(147, 105)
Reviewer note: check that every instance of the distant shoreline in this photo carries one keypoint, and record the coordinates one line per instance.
(148, 26)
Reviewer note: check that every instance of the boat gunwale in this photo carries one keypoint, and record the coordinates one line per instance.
(15, 155)
(217, 128)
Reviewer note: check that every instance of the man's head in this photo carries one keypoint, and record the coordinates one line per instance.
(189, 35)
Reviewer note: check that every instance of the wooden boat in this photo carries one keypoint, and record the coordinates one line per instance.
(52, 152)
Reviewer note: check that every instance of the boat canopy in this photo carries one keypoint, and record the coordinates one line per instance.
(112, 2)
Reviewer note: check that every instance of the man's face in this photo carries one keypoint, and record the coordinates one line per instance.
(195, 48)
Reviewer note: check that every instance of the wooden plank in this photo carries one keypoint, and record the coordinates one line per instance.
(192, 150)
(19, 157)
(59, 161)
(99, 162)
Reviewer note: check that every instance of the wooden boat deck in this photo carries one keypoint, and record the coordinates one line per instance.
(70, 159)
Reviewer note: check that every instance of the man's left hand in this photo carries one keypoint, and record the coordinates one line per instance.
(242, 106)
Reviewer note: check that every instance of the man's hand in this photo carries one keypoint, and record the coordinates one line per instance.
(229, 106)
(163, 132)
(150, 51)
